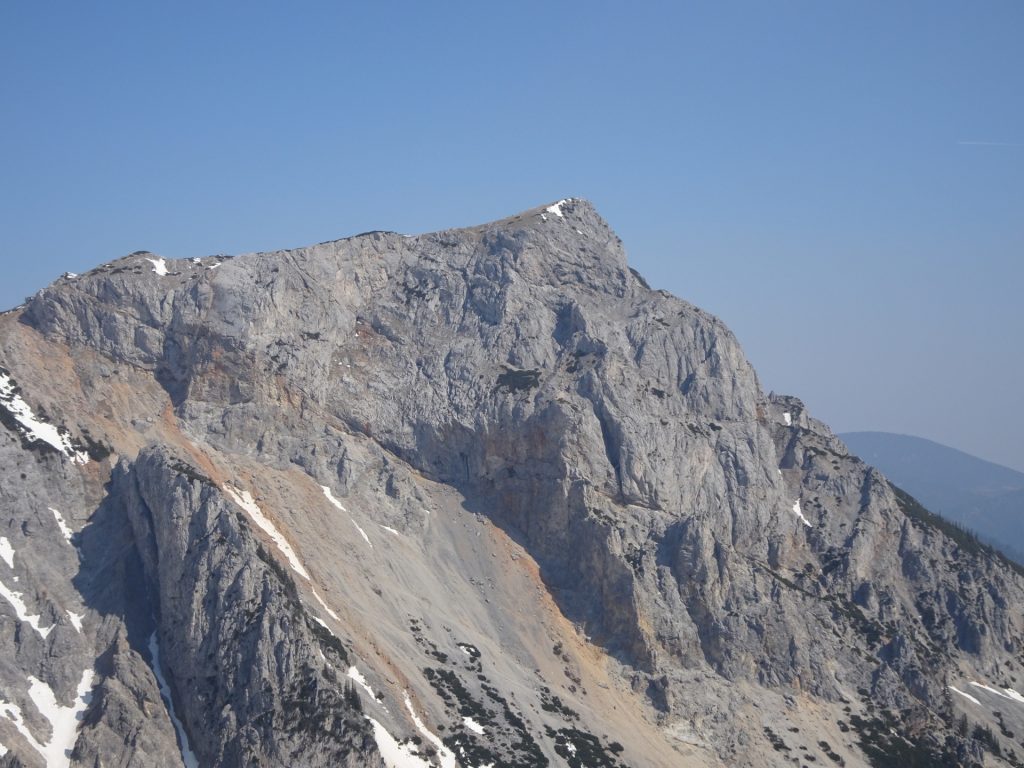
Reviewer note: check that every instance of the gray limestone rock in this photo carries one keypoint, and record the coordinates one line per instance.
(476, 496)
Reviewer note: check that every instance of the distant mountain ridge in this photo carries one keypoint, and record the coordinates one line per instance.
(985, 497)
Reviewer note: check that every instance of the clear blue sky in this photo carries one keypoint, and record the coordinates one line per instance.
(802, 169)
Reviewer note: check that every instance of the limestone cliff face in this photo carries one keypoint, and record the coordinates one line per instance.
(483, 488)
(258, 680)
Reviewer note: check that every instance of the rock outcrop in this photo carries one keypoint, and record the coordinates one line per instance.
(473, 497)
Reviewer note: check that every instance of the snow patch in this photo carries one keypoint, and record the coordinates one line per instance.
(393, 754)
(37, 430)
(64, 529)
(984, 687)
(6, 551)
(245, 500)
(187, 755)
(444, 755)
(159, 265)
(788, 418)
(21, 610)
(12, 713)
(389, 529)
(473, 725)
(1006, 693)
(76, 619)
(798, 513)
(1013, 695)
(470, 650)
(967, 696)
(63, 720)
(556, 209)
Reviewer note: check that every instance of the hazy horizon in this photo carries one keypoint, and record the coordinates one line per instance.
(842, 186)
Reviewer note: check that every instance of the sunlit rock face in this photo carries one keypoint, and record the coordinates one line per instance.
(476, 497)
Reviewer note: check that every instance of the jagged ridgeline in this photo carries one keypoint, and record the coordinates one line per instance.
(479, 497)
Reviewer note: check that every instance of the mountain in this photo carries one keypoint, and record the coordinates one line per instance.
(984, 497)
(476, 497)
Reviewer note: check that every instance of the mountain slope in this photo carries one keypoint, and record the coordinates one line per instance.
(472, 497)
(984, 497)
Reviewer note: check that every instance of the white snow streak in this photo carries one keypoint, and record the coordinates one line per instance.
(967, 696)
(339, 505)
(37, 430)
(64, 529)
(63, 720)
(798, 513)
(330, 498)
(361, 531)
(984, 687)
(357, 676)
(6, 551)
(245, 500)
(473, 725)
(187, 755)
(389, 529)
(396, 755)
(788, 418)
(76, 619)
(159, 265)
(21, 610)
(326, 607)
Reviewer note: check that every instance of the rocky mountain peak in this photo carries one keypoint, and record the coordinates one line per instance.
(482, 488)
